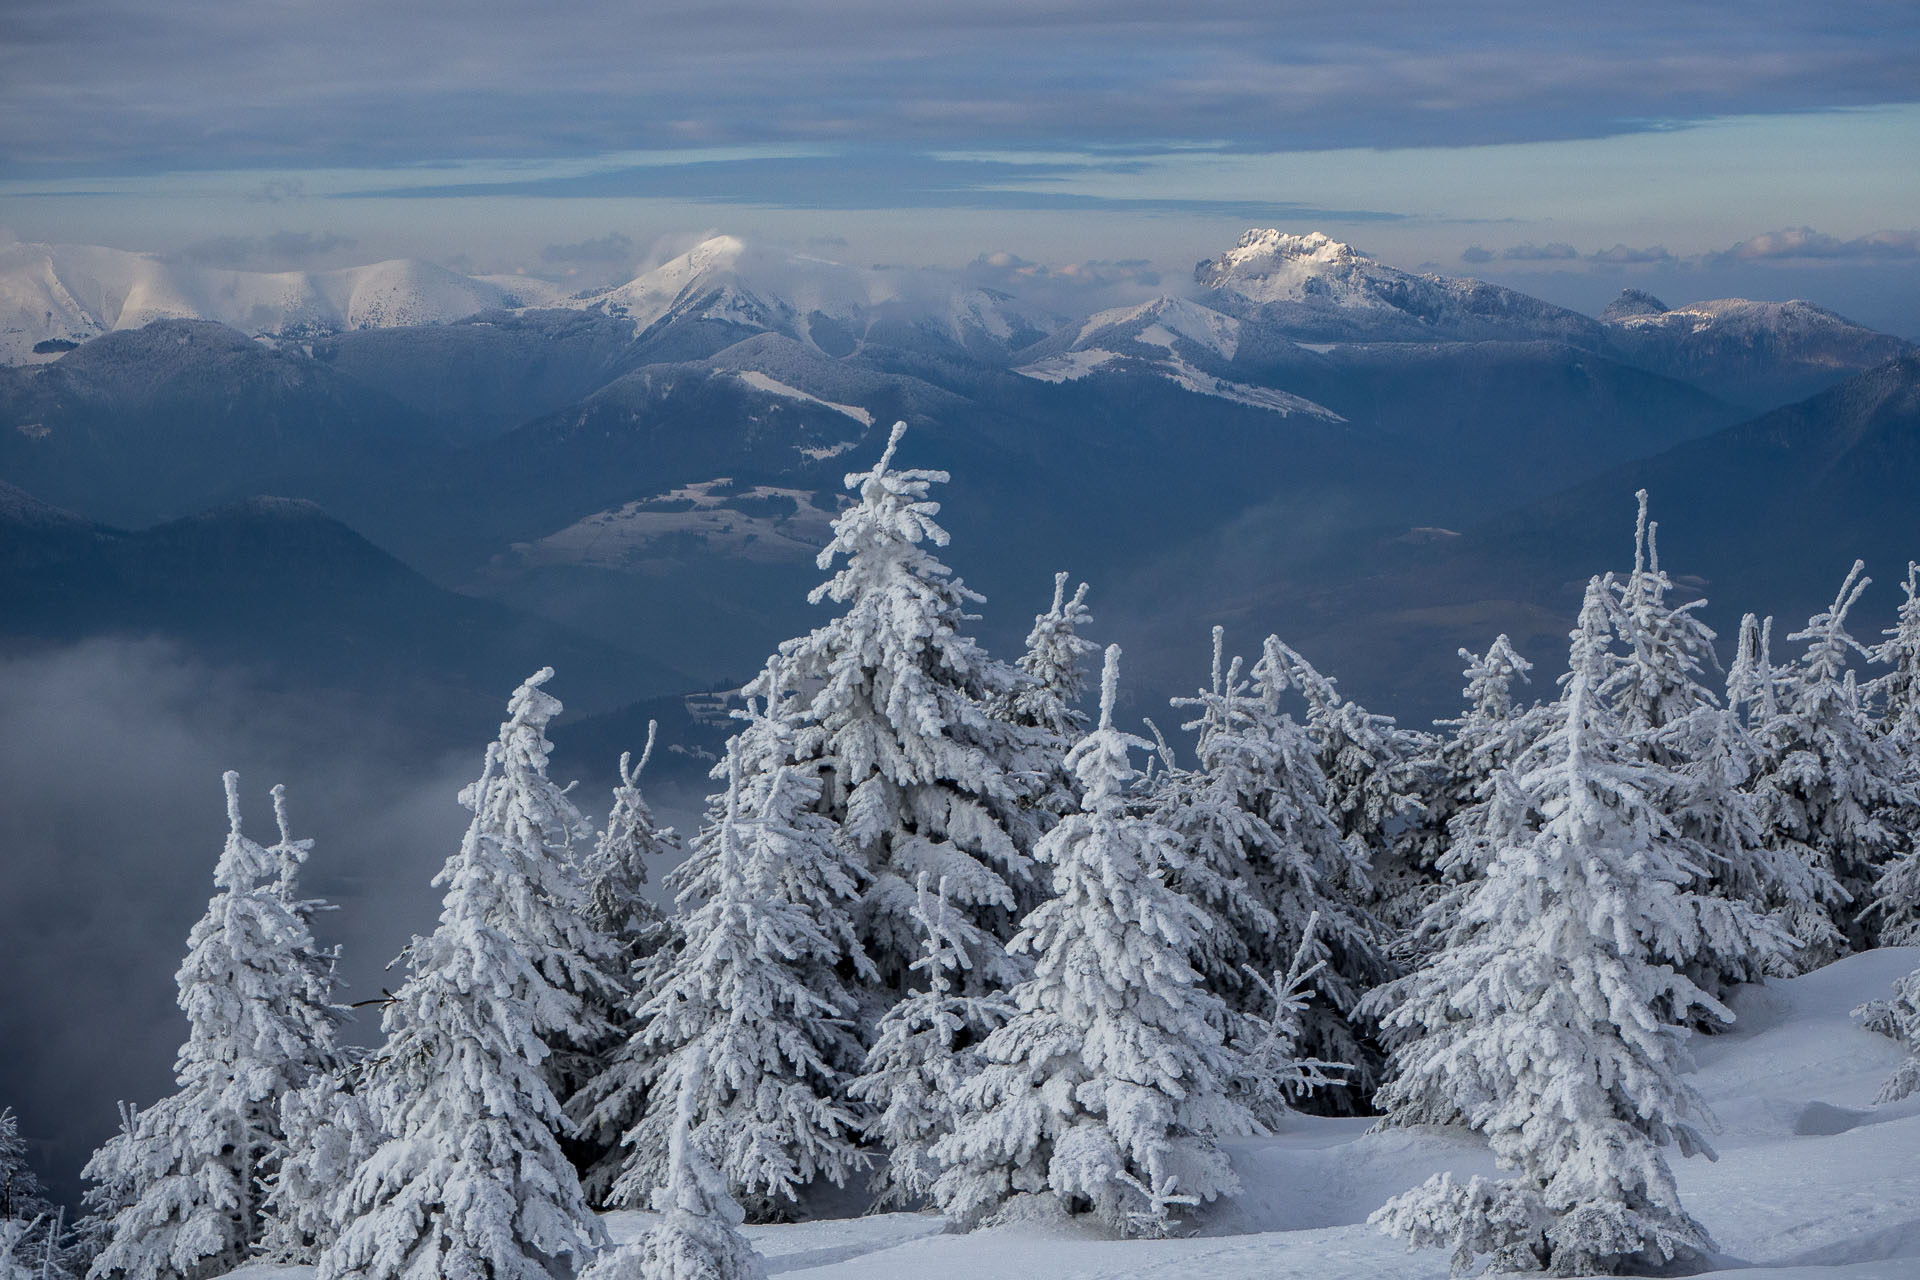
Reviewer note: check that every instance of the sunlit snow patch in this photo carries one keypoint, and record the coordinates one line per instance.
(773, 386)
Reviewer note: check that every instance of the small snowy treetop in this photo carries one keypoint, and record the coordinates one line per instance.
(1055, 680)
(1828, 644)
(893, 508)
(617, 870)
(1489, 688)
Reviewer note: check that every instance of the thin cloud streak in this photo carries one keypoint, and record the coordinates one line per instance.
(104, 86)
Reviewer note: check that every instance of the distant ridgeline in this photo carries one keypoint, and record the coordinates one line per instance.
(1289, 444)
(950, 935)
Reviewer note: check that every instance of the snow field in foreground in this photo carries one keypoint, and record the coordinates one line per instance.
(1814, 1182)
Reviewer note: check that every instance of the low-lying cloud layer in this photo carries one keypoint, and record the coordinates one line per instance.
(111, 818)
(1792, 246)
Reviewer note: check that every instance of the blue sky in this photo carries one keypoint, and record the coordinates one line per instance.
(1697, 148)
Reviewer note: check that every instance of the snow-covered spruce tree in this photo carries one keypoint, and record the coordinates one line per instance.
(1261, 885)
(1232, 855)
(1898, 691)
(1655, 693)
(31, 1236)
(615, 878)
(917, 772)
(1829, 784)
(1550, 1021)
(1107, 1087)
(329, 1134)
(183, 1180)
(1056, 680)
(922, 1052)
(1797, 890)
(1445, 842)
(1899, 1020)
(616, 871)
(1373, 781)
(1291, 797)
(759, 992)
(1897, 894)
(467, 1177)
(698, 1236)
(1044, 695)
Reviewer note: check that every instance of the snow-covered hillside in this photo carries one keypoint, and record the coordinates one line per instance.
(1813, 1181)
(1187, 344)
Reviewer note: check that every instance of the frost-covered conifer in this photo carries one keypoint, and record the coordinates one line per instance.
(1291, 796)
(1897, 894)
(1271, 1075)
(1654, 692)
(698, 1236)
(467, 1177)
(1263, 884)
(1898, 1019)
(1368, 760)
(1655, 687)
(182, 1181)
(32, 1244)
(1445, 842)
(1107, 1087)
(615, 876)
(1898, 691)
(757, 993)
(1549, 1022)
(917, 772)
(920, 1056)
(1829, 785)
(1056, 681)
(329, 1133)
(1045, 696)
(616, 871)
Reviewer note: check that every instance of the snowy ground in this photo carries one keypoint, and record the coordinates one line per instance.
(1813, 1181)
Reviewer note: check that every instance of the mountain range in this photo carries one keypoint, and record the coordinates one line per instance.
(651, 468)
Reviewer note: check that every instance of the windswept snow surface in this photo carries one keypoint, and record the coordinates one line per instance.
(1814, 1182)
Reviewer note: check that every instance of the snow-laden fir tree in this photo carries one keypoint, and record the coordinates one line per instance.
(698, 1236)
(1899, 1020)
(1262, 884)
(182, 1181)
(1897, 894)
(1107, 1087)
(1828, 785)
(921, 1054)
(1291, 796)
(1373, 780)
(1550, 1022)
(31, 1236)
(759, 993)
(1056, 679)
(615, 876)
(1791, 883)
(1045, 695)
(615, 872)
(329, 1134)
(467, 1178)
(1898, 691)
(1445, 842)
(1656, 686)
(1656, 693)
(917, 773)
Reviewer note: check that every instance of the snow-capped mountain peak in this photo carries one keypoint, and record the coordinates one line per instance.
(1270, 265)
